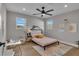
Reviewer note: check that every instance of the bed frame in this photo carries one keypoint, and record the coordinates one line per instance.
(44, 47)
(38, 28)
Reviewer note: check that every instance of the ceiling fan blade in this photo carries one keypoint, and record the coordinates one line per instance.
(37, 14)
(38, 10)
(50, 10)
(48, 14)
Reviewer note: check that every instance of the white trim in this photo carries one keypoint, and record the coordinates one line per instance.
(69, 43)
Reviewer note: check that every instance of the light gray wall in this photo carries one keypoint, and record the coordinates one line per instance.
(3, 18)
(11, 23)
(3, 22)
(0, 29)
(68, 37)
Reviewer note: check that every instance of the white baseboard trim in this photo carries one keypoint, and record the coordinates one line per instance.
(74, 45)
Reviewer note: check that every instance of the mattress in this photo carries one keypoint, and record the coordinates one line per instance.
(44, 41)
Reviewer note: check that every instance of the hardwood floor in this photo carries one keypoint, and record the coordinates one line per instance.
(27, 50)
(73, 52)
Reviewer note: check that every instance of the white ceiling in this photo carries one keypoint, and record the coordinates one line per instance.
(31, 8)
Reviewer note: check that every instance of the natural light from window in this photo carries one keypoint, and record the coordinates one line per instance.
(49, 24)
(20, 22)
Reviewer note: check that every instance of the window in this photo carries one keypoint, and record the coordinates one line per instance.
(20, 23)
(49, 24)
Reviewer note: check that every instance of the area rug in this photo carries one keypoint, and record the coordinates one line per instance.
(53, 50)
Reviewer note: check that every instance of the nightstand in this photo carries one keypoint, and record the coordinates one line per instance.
(28, 38)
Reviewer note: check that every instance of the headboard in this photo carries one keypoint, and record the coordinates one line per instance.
(36, 29)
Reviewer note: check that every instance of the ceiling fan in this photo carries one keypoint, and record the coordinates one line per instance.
(44, 12)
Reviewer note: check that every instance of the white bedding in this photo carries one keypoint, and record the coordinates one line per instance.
(44, 41)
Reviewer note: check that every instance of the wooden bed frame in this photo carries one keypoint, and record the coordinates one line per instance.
(46, 45)
(33, 28)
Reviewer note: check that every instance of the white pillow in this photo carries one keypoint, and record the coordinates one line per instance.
(35, 32)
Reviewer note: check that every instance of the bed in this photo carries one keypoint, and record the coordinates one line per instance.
(42, 40)
(39, 38)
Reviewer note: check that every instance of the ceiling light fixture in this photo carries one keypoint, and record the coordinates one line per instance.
(65, 6)
(24, 9)
(43, 14)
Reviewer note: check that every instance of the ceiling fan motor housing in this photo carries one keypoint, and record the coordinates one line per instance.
(43, 7)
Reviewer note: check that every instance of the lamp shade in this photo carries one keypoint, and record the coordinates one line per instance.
(28, 30)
